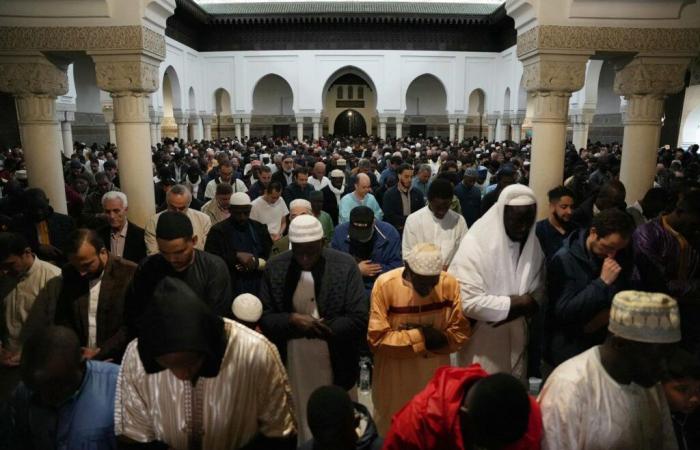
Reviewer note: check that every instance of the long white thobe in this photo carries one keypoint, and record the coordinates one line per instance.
(422, 226)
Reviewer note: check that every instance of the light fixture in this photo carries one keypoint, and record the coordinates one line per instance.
(349, 113)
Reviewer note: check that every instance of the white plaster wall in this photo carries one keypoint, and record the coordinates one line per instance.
(690, 118)
(87, 94)
(608, 100)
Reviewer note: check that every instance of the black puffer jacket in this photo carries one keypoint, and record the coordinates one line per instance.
(341, 301)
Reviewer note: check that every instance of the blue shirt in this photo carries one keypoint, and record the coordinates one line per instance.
(420, 186)
(84, 421)
(350, 201)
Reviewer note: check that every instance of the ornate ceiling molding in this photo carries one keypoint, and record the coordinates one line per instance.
(119, 39)
(674, 41)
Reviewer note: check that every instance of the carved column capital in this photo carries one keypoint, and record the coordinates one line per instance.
(644, 109)
(554, 72)
(193, 118)
(651, 75)
(180, 116)
(207, 119)
(550, 106)
(31, 75)
(126, 73)
(492, 119)
(517, 118)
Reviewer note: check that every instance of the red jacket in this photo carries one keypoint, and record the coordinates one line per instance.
(431, 419)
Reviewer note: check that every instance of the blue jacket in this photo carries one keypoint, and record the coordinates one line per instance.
(576, 296)
(386, 251)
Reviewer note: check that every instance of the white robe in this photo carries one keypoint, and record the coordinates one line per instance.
(490, 268)
(583, 408)
(422, 226)
(308, 360)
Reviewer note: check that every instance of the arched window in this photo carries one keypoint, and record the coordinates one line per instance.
(350, 93)
(339, 93)
(360, 92)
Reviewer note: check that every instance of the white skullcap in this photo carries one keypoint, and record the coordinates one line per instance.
(300, 203)
(425, 259)
(335, 173)
(239, 199)
(247, 307)
(341, 162)
(305, 229)
(521, 200)
(645, 317)
(418, 145)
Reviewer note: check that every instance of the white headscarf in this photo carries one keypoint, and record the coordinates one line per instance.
(487, 238)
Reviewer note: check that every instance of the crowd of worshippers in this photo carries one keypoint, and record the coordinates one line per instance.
(277, 274)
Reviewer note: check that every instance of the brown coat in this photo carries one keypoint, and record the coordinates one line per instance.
(74, 302)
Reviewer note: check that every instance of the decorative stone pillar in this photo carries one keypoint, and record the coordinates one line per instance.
(193, 127)
(550, 78)
(108, 112)
(67, 131)
(453, 127)
(316, 120)
(492, 121)
(580, 122)
(516, 123)
(159, 127)
(130, 79)
(399, 126)
(237, 125)
(645, 82)
(182, 120)
(503, 132)
(35, 83)
(300, 128)
(206, 123)
(245, 119)
(460, 128)
(153, 127)
(382, 127)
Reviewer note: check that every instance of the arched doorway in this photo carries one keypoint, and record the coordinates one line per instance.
(349, 87)
(273, 101)
(350, 123)
(426, 107)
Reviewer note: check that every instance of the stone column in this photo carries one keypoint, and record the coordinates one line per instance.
(206, 124)
(153, 127)
(67, 132)
(645, 82)
(504, 131)
(246, 127)
(460, 128)
(130, 79)
(382, 127)
(580, 121)
(108, 111)
(193, 126)
(182, 121)
(35, 83)
(399, 127)
(316, 120)
(550, 78)
(300, 127)
(492, 120)
(516, 123)
(159, 127)
(453, 128)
